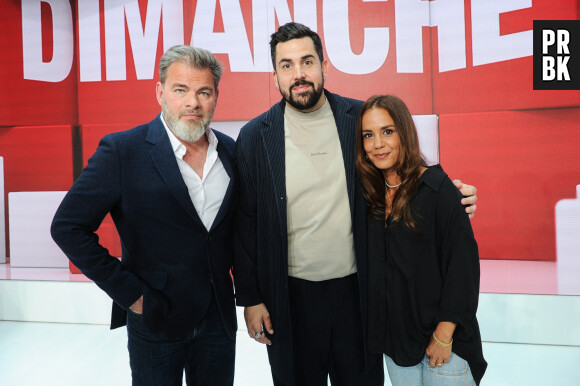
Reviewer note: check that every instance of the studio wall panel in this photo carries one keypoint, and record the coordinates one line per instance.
(36, 157)
(30, 215)
(523, 163)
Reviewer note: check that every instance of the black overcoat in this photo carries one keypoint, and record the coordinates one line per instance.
(261, 257)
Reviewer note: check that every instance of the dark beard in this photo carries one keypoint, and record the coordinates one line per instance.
(308, 98)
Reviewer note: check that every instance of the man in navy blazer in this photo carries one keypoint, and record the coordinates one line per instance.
(169, 186)
(300, 265)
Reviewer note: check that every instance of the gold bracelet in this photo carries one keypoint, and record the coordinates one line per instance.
(441, 343)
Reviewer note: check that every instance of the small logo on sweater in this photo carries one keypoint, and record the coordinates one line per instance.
(318, 154)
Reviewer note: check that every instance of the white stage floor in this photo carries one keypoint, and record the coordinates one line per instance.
(57, 354)
(53, 331)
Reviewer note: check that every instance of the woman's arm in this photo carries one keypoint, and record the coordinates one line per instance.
(459, 270)
(439, 349)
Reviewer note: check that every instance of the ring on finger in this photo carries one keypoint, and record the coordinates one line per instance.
(439, 364)
(258, 335)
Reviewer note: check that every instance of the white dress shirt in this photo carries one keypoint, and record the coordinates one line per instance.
(207, 192)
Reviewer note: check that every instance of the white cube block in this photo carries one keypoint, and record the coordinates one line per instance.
(29, 217)
(2, 215)
(428, 132)
(568, 244)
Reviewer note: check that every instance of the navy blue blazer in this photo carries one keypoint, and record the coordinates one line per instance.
(168, 256)
(261, 259)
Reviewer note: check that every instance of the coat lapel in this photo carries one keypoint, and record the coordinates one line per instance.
(273, 138)
(164, 159)
(345, 117)
(228, 163)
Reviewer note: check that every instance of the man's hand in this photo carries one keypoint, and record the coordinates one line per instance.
(258, 319)
(137, 307)
(470, 196)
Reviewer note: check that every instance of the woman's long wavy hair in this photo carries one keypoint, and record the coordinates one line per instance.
(408, 165)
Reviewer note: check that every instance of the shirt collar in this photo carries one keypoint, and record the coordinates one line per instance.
(433, 177)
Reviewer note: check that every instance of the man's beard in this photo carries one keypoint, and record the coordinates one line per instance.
(188, 130)
(307, 99)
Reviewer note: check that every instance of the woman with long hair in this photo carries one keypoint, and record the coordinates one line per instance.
(423, 257)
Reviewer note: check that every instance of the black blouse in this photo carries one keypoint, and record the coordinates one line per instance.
(417, 280)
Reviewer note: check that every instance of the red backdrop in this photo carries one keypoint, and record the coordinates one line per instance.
(62, 69)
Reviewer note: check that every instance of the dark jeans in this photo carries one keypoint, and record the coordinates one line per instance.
(327, 335)
(207, 355)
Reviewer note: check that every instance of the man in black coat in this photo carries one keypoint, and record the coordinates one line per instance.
(170, 188)
(300, 265)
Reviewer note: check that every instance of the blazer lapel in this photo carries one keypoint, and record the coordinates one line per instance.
(273, 137)
(345, 119)
(228, 163)
(164, 159)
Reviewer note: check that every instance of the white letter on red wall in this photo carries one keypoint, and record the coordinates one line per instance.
(233, 41)
(116, 61)
(144, 39)
(337, 40)
(488, 45)
(62, 44)
(264, 14)
(448, 16)
(89, 41)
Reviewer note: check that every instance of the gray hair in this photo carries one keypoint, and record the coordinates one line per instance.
(192, 56)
